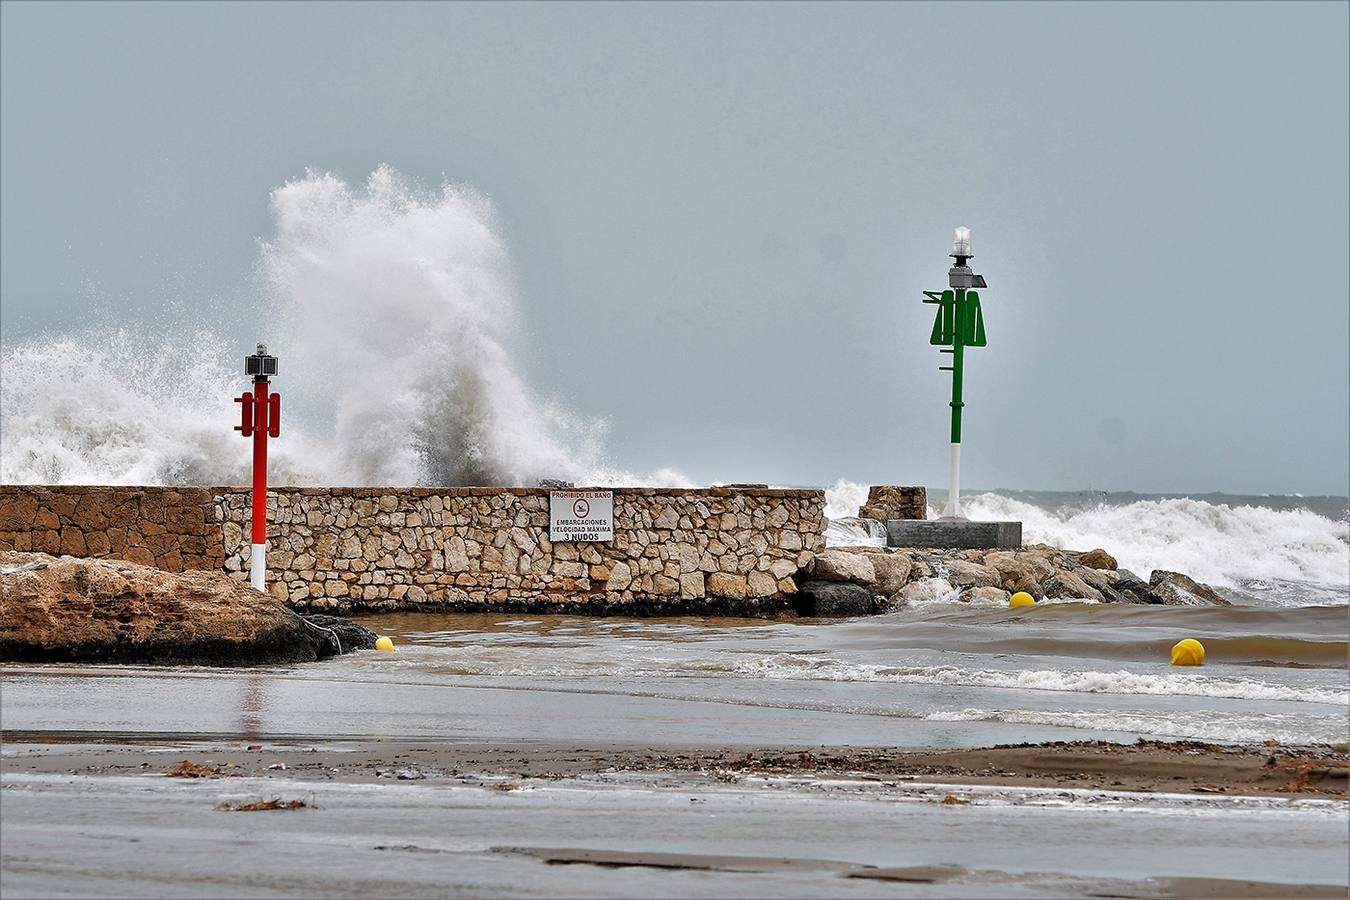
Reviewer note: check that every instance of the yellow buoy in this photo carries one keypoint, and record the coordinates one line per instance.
(1189, 652)
(384, 644)
(1021, 598)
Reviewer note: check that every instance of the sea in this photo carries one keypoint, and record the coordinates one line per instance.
(439, 369)
(937, 673)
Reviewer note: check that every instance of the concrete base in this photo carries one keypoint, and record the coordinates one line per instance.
(953, 533)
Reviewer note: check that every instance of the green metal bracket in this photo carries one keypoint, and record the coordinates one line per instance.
(957, 324)
(973, 318)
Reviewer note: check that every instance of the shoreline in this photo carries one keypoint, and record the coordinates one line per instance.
(429, 818)
(1146, 766)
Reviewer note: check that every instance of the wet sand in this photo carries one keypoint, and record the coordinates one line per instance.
(425, 818)
(567, 757)
(1144, 766)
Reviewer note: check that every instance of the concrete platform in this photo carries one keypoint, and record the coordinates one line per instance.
(953, 533)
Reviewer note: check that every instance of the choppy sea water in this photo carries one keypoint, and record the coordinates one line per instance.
(935, 673)
(1272, 673)
(1268, 550)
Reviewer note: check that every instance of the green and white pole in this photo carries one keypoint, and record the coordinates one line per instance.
(959, 324)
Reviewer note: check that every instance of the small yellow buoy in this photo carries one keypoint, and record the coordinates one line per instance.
(1021, 598)
(1189, 652)
(384, 644)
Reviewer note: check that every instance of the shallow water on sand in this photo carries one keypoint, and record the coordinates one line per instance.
(945, 675)
(940, 675)
(1270, 673)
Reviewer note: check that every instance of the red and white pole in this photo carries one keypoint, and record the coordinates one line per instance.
(260, 419)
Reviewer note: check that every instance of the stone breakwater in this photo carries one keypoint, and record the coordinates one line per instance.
(174, 529)
(713, 550)
(73, 609)
(862, 580)
(734, 551)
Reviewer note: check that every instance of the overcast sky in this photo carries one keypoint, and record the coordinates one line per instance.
(721, 216)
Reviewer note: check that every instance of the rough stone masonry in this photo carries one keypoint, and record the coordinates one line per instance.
(732, 551)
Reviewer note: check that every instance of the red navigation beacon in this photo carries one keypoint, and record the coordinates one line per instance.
(259, 418)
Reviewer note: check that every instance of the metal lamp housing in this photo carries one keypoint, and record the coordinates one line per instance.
(260, 365)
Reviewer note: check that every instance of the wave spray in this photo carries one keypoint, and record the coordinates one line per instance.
(392, 312)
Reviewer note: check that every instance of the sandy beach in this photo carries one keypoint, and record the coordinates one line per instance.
(1145, 766)
(519, 756)
(417, 818)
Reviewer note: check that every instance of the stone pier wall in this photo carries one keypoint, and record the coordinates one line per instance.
(171, 528)
(713, 550)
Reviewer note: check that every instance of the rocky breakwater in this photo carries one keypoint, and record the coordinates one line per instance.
(69, 609)
(853, 581)
(733, 550)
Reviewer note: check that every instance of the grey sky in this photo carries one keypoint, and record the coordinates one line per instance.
(732, 210)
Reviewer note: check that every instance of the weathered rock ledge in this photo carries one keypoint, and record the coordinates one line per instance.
(69, 609)
(863, 580)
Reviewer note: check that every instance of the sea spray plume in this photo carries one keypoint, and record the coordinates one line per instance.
(391, 308)
(108, 406)
(1214, 542)
(844, 498)
(1253, 547)
(398, 302)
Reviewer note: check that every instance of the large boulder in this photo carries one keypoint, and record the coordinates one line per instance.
(840, 565)
(1097, 559)
(1067, 585)
(1177, 589)
(892, 571)
(95, 610)
(984, 596)
(1025, 585)
(1132, 590)
(1014, 566)
(833, 598)
(962, 573)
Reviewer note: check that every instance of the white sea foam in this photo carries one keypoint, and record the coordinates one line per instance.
(1201, 725)
(857, 533)
(633, 661)
(109, 407)
(394, 313)
(1215, 543)
(844, 498)
(794, 667)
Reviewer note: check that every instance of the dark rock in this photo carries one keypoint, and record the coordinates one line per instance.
(833, 598)
(1132, 590)
(348, 634)
(1177, 589)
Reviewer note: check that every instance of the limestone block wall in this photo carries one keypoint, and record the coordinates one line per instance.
(894, 501)
(170, 528)
(712, 550)
(733, 550)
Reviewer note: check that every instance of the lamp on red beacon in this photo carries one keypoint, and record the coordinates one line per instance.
(260, 418)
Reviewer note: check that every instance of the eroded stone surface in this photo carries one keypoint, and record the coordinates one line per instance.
(63, 608)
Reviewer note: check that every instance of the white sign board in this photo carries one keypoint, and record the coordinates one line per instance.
(581, 515)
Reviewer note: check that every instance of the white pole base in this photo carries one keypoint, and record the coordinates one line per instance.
(257, 574)
(953, 508)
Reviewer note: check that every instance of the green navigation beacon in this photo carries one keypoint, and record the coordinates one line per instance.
(958, 324)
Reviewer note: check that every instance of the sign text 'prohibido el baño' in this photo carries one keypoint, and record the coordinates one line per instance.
(581, 515)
